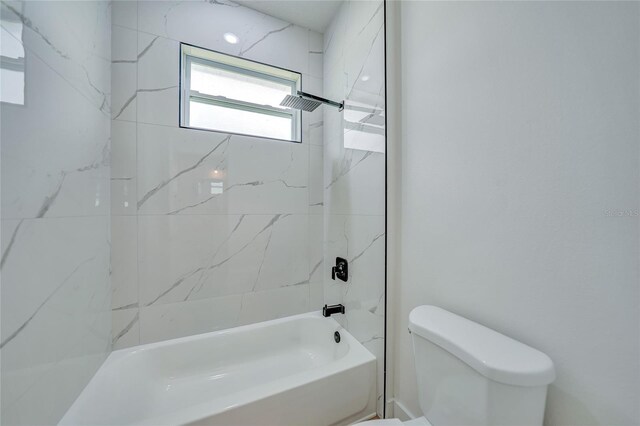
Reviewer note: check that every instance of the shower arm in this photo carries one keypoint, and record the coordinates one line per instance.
(339, 105)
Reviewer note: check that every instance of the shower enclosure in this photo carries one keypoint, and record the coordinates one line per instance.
(122, 225)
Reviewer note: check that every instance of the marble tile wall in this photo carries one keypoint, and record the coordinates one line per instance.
(55, 229)
(186, 258)
(354, 170)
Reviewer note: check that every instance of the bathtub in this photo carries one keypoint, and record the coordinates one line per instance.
(288, 371)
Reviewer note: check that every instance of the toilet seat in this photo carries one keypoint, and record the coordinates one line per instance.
(420, 421)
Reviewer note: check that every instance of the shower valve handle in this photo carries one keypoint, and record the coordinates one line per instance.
(341, 270)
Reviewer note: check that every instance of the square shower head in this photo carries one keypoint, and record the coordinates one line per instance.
(297, 102)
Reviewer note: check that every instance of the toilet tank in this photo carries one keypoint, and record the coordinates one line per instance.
(469, 374)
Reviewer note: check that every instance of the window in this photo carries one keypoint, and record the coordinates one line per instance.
(11, 58)
(234, 95)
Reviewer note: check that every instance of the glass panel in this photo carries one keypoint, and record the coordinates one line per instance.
(233, 85)
(232, 120)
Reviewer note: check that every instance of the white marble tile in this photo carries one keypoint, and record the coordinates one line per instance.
(123, 168)
(168, 321)
(45, 258)
(123, 193)
(285, 260)
(125, 13)
(334, 85)
(203, 256)
(59, 166)
(124, 46)
(267, 177)
(360, 240)
(56, 301)
(272, 304)
(364, 69)
(158, 80)
(193, 172)
(316, 131)
(80, 56)
(316, 54)
(334, 38)
(364, 115)
(125, 329)
(353, 181)
(182, 171)
(56, 296)
(265, 251)
(124, 262)
(124, 69)
(261, 37)
(332, 290)
(316, 180)
(176, 253)
(312, 121)
(316, 296)
(56, 388)
(366, 327)
(317, 269)
(363, 19)
(376, 346)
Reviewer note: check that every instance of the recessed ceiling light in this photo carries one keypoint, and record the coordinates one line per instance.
(365, 78)
(231, 38)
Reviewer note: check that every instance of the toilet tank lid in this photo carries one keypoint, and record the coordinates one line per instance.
(494, 355)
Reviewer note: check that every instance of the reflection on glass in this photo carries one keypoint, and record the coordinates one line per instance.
(11, 58)
(364, 126)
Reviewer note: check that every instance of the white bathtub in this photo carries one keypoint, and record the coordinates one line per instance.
(288, 371)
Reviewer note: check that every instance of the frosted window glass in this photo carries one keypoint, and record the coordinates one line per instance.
(11, 36)
(11, 62)
(12, 86)
(232, 120)
(242, 87)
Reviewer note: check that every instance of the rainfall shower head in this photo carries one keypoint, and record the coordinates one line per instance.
(307, 102)
(297, 102)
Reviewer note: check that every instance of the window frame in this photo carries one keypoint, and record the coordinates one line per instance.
(189, 55)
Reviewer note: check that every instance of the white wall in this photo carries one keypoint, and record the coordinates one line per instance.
(520, 134)
(56, 294)
(184, 261)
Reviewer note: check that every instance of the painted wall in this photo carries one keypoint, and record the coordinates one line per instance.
(186, 261)
(354, 171)
(520, 174)
(55, 290)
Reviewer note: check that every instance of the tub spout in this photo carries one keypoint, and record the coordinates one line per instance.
(327, 311)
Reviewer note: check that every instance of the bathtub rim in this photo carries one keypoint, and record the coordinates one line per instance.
(121, 353)
(357, 356)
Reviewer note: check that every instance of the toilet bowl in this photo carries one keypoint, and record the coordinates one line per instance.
(468, 374)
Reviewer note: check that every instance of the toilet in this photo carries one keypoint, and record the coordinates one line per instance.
(468, 374)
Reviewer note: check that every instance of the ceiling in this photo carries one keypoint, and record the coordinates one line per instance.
(314, 14)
